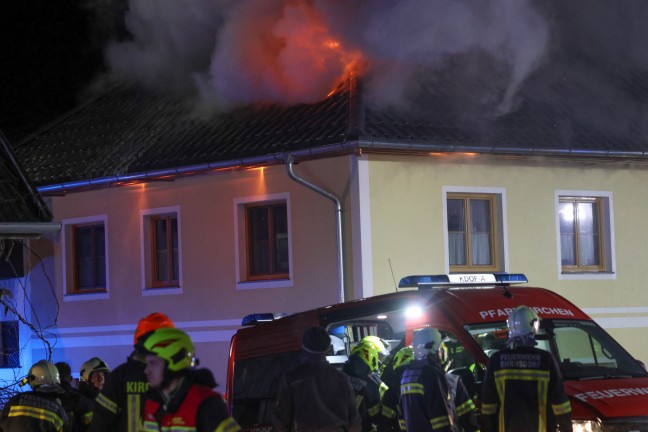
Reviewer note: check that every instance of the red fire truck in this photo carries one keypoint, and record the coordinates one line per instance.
(608, 388)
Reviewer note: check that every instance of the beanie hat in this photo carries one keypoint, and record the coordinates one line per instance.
(316, 340)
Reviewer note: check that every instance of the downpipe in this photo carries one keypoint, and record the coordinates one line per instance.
(338, 215)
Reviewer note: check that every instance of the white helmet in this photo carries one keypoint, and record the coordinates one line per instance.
(95, 364)
(522, 322)
(425, 341)
(42, 373)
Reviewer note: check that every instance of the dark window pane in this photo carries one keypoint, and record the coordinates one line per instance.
(161, 253)
(456, 216)
(90, 259)
(280, 219)
(456, 231)
(259, 241)
(174, 245)
(267, 228)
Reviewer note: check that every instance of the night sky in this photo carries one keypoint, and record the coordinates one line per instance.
(588, 58)
(48, 54)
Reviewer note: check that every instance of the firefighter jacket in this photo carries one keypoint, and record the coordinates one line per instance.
(35, 411)
(523, 392)
(430, 401)
(366, 389)
(389, 411)
(120, 405)
(315, 396)
(77, 407)
(192, 407)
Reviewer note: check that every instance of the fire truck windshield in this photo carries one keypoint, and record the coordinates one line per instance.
(582, 348)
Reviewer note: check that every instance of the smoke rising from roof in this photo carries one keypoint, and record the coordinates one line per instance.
(481, 61)
(281, 51)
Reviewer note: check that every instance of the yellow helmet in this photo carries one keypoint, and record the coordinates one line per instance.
(380, 345)
(403, 356)
(368, 354)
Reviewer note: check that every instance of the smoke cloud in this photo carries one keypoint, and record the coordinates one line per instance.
(480, 60)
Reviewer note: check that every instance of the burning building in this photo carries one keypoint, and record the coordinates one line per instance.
(316, 160)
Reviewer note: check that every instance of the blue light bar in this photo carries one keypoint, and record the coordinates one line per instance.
(458, 280)
(415, 280)
(257, 318)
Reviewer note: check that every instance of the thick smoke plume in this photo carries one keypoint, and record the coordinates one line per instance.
(480, 59)
(292, 51)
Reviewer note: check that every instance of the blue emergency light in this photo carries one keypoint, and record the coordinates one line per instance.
(459, 280)
(257, 318)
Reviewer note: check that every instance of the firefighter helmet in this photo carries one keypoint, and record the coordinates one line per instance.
(152, 322)
(171, 344)
(403, 356)
(426, 341)
(379, 344)
(522, 322)
(42, 373)
(368, 354)
(95, 364)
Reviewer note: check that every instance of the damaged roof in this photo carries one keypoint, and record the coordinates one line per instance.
(129, 131)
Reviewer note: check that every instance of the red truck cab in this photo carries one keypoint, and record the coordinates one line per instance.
(608, 389)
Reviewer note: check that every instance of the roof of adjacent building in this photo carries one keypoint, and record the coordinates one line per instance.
(21, 204)
(129, 131)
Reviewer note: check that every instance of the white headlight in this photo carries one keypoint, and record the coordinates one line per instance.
(586, 426)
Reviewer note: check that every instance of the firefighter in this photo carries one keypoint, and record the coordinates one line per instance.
(180, 396)
(384, 358)
(362, 363)
(92, 377)
(39, 409)
(392, 376)
(523, 389)
(77, 407)
(431, 400)
(315, 395)
(120, 405)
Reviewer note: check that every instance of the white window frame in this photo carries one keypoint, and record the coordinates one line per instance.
(502, 238)
(68, 258)
(145, 241)
(607, 221)
(240, 246)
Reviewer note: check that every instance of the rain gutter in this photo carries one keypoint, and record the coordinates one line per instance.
(339, 148)
(230, 163)
(22, 230)
(338, 219)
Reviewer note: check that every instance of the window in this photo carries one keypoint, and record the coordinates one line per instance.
(10, 344)
(89, 258)
(474, 232)
(164, 254)
(581, 237)
(161, 251)
(267, 240)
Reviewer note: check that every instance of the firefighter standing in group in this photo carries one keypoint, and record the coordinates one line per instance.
(39, 409)
(392, 377)
(523, 389)
(362, 363)
(429, 401)
(180, 396)
(120, 405)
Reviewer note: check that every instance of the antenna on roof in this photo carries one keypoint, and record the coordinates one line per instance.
(392, 272)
